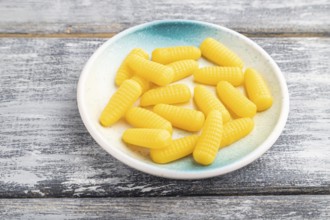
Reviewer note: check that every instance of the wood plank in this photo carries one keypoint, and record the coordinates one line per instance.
(45, 150)
(111, 16)
(248, 207)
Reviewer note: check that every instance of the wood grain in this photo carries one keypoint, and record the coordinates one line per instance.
(248, 207)
(45, 150)
(111, 16)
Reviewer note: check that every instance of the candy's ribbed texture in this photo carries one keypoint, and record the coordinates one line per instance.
(183, 68)
(233, 99)
(143, 118)
(168, 55)
(128, 92)
(179, 148)
(211, 75)
(148, 137)
(206, 102)
(184, 118)
(236, 130)
(257, 90)
(219, 53)
(209, 141)
(145, 84)
(124, 72)
(151, 71)
(178, 93)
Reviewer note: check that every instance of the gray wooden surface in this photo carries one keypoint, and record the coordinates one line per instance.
(233, 207)
(110, 16)
(46, 152)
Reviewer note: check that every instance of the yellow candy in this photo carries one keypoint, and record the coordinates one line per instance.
(178, 93)
(211, 75)
(257, 90)
(207, 102)
(148, 137)
(151, 71)
(124, 72)
(143, 118)
(219, 53)
(236, 130)
(128, 92)
(209, 141)
(145, 84)
(184, 118)
(171, 54)
(183, 68)
(178, 149)
(235, 100)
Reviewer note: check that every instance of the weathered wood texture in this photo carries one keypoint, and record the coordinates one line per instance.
(247, 207)
(111, 16)
(45, 150)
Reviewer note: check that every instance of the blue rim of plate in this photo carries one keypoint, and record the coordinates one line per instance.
(148, 168)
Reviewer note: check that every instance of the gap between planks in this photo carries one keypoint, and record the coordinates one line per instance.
(280, 193)
(109, 35)
(245, 196)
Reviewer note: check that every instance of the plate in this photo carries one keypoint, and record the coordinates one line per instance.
(96, 85)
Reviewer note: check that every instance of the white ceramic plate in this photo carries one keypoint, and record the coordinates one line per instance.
(96, 85)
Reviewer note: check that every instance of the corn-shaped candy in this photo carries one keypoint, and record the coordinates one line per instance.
(128, 92)
(148, 137)
(206, 102)
(184, 118)
(151, 71)
(178, 93)
(171, 54)
(209, 141)
(143, 118)
(219, 53)
(236, 130)
(235, 100)
(211, 75)
(257, 90)
(124, 72)
(145, 84)
(183, 68)
(178, 149)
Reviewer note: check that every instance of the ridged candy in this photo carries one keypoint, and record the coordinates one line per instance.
(233, 99)
(209, 141)
(144, 118)
(178, 93)
(235, 130)
(124, 72)
(148, 137)
(218, 53)
(125, 96)
(184, 118)
(211, 75)
(178, 149)
(257, 90)
(151, 71)
(168, 55)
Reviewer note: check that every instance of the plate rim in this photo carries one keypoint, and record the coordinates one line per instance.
(173, 174)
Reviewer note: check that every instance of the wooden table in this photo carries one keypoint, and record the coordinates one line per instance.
(50, 167)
